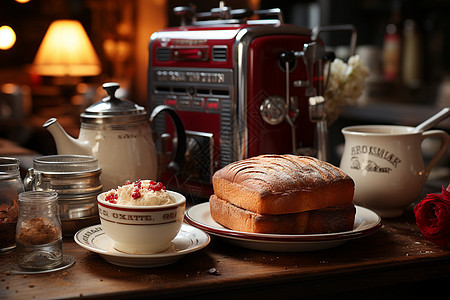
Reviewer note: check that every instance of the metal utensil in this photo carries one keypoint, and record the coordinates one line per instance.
(435, 119)
(318, 115)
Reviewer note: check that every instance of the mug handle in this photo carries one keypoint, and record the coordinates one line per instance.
(444, 137)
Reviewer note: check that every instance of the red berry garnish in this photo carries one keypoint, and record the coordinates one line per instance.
(136, 194)
(159, 186)
(112, 198)
(127, 182)
(156, 186)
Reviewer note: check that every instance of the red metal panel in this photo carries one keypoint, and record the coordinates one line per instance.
(267, 78)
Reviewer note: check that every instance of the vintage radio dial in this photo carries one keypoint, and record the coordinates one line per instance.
(273, 110)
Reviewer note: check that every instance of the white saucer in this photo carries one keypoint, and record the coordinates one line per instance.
(366, 222)
(188, 240)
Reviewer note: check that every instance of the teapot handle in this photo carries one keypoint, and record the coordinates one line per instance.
(178, 159)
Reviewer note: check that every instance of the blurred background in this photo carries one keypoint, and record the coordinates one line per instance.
(404, 43)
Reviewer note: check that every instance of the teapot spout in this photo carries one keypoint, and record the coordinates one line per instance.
(65, 144)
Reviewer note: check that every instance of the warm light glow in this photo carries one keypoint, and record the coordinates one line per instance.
(254, 4)
(66, 51)
(7, 37)
(116, 50)
(9, 88)
(22, 1)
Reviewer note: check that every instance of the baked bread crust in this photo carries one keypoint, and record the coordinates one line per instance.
(283, 184)
(326, 220)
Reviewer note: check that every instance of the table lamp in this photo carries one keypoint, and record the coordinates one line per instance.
(66, 51)
(67, 55)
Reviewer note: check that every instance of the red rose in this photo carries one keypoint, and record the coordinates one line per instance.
(433, 217)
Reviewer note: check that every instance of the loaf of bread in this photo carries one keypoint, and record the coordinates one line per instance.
(326, 220)
(283, 184)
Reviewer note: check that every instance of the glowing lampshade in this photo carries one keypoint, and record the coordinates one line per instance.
(66, 51)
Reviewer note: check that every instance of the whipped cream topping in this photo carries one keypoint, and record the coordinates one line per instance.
(140, 193)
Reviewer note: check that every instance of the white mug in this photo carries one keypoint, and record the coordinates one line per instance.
(386, 164)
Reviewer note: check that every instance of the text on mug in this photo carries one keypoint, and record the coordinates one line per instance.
(378, 152)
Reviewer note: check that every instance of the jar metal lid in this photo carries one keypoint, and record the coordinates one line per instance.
(9, 166)
(71, 176)
(65, 163)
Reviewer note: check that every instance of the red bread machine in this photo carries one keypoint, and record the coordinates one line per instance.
(224, 73)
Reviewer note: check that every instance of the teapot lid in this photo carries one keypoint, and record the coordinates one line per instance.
(112, 106)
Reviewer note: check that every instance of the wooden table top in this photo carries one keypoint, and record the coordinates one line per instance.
(396, 261)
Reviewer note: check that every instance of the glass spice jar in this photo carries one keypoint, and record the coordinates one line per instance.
(38, 232)
(11, 186)
(76, 179)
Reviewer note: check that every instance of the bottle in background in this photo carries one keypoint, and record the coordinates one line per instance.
(412, 55)
(392, 45)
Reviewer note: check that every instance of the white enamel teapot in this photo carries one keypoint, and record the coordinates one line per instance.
(117, 132)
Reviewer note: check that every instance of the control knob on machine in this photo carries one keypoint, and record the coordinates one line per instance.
(273, 110)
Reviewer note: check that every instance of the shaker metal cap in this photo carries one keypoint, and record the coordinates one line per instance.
(112, 106)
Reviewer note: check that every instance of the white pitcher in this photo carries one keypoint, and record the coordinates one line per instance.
(387, 165)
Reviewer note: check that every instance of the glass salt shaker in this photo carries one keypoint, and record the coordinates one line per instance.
(11, 186)
(38, 232)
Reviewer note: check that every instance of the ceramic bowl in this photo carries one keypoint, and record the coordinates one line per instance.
(142, 229)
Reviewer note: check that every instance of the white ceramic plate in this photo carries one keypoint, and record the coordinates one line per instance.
(188, 240)
(366, 222)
